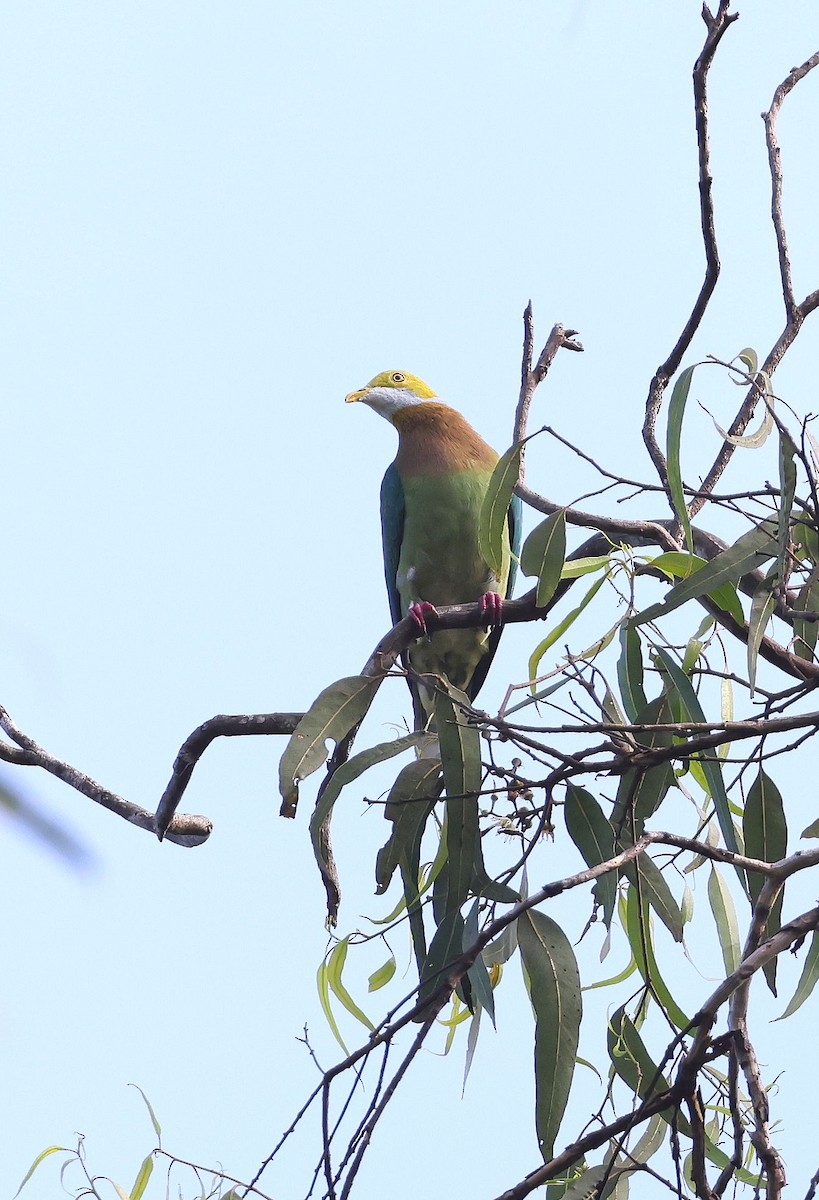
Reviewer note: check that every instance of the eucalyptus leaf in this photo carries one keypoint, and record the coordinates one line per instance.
(553, 982)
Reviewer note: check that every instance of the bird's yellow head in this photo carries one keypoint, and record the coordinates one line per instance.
(391, 391)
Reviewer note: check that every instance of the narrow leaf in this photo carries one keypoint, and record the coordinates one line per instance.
(676, 411)
(765, 833)
(639, 933)
(143, 1176)
(725, 917)
(543, 555)
(461, 760)
(330, 717)
(496, 501)
(745, 555)
(593, 835)
(335, 967)
(712, 770)
(347, 773)
(41, 1157)
(553, 981)
(630, 672)
(762, 606)
(562, 626)
(807, 980)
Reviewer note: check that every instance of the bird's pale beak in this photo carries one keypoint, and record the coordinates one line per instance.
(351, 397)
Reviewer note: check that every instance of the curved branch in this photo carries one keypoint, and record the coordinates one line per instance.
(717, 26)
(185, 830)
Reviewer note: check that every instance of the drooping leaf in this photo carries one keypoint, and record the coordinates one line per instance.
(593, 835)
(630, 672)
(323, 988)
(444, 949)
(331, 716)
(638, 930)
(411, 800)
(804, 632)
(752, 549)
(480, 985)
(347, 773)
(632, 1061)
(496, 501)
(553, 981)
(676, 411)
(557, 633)
(725, 917)
(543, 555)
(765, 833)
(711, 767)
(763, 603)
(807, 980)
(335, 967)
(461, 761)
(642, 788)
(382, 976)
(787, 490)
(656, 893)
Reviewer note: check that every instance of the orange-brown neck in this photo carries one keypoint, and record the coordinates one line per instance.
(434, 438)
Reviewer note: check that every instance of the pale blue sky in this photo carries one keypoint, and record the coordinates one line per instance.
(216, 220)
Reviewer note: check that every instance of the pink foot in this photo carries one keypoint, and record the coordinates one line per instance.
(419, 612)
(492, 608)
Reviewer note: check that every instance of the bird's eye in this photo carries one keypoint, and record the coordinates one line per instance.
(397, 377)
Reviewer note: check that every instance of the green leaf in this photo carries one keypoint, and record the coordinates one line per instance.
(638, 930)
(676, 411)
(630, 672)
(382, 976)
(562, 626)
(337, 710)
(593, 835)
(41, 1157)
(807, 980)
(573, 568)
(444, 949)
(154, 1122)
(765, 833)
(677, 565)
(553, 982)
(335, 967)
(787, 490)
(656, 892)
(811, 831)
(762, 606)
(480, 985)
(745, 555)
(543, 555)
(460, 744)
(711, 767)
(631, 1060)
(323, 988)
(496, 501)
(642, 789)
(347, 773)
(143, 1176)
(412, 798)
(725, 917)
(804, 632)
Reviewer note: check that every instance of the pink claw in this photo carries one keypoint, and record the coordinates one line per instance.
(419, 611)
(492, 608)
